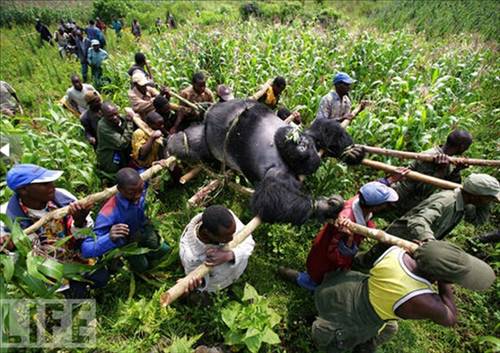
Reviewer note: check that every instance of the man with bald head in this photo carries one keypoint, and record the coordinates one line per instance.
(122, 220)
(114, 135)
(75, 95)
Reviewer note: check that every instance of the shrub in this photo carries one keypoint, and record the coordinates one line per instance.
(109, 9)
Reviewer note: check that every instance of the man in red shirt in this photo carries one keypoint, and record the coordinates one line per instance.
(335, 246)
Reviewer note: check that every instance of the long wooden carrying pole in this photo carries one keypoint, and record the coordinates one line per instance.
(97, 197)
(425, 157)
(262, 90)
(180, 288)
(440, 183)
(381, 236)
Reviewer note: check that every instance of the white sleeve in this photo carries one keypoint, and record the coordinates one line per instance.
(243, 251)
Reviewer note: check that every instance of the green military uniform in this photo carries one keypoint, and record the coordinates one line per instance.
(346, 317)
(411, 193)
(113, 147)
(434, 217)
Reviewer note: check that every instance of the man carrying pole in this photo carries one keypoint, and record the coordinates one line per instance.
(412, 192)
(354, 307)
(202, 241)
(438, 215)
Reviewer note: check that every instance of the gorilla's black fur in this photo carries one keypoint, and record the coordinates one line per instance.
(248, 137)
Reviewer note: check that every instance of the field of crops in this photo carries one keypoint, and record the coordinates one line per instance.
(421, 88)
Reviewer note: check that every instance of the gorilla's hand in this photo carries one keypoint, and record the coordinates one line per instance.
(328, 208)
(353, 155)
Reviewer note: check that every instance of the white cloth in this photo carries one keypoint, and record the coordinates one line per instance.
(78, 97)
(193, 253)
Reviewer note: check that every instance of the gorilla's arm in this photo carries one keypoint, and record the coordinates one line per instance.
(278, 199)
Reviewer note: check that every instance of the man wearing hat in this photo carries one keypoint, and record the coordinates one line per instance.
(34, 196)
(336, 104)
(439, 214)
(142, 94)
(95, 57)
(354, 307)
(91, 117)
(335, 246)
(224, 93)
(75, 95)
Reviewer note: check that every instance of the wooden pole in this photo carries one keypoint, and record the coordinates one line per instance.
(97, 197)
(425, 157)
(190, 175)
(201, 194)
(235, 186)
(262, 90)
(185, 101)
(440, 183)
(381, 236)
(201, 271)
(142, 124)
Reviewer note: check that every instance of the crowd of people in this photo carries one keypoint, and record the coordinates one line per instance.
(359, 296)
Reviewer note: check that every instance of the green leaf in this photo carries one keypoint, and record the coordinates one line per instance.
(233, 338)
(229, 315)
(249, 293)
(253, 342)
(269, 336)
(52, 269)
(8, 266)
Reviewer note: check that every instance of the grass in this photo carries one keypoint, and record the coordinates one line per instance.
(421, 88)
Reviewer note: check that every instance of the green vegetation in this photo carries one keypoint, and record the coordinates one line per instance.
(420, 88)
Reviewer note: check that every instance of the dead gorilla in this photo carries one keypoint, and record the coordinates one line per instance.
(249, 138)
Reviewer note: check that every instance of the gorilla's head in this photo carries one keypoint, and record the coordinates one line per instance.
(329, 136)
(297, 150)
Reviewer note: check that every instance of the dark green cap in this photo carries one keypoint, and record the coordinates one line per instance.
(447, 262)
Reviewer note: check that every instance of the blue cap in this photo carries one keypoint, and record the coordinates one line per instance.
(24, 174)
(342, 77)
(376, 193)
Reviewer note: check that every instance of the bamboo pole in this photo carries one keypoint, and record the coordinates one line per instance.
(425, 157)
(97, 197)
(381, 236)
(201, 271)
(235, 186)
(262, 90)
(185, 101)
(190, 175)
(440, 183)
(197, 198)
(142, 124)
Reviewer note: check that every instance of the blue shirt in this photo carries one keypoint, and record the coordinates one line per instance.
(96, 58)
(116, 210)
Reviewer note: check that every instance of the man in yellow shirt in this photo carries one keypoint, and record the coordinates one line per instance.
(272, 94)
(354, 308)
(146, 149)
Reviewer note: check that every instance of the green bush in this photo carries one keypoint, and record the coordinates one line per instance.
(109, 9)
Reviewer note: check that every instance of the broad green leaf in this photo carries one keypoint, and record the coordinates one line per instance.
(7, 262)
(229, 315)
(249, 293)
(232, 338)
(52, 269)
(254, 342)
(269, 336)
